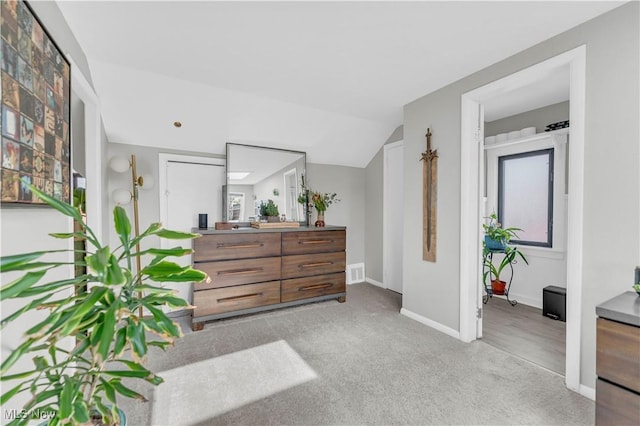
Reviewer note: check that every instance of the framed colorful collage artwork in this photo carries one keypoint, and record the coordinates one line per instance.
(36, 103)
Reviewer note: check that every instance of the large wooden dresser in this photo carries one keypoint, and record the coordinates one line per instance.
(253, 270)
(618, 361)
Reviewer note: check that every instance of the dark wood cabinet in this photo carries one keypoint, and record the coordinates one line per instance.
(618, 361)
(254, 270)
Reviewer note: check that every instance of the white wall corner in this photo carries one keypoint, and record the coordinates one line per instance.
(374, 282)
(587, 392)
(433, 324)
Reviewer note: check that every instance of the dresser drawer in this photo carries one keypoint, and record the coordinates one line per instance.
(617, 359)
(615, 405)
(313, 242)
(236, 246)
(228, 273)
(220, 300)
(304, 265)
(304, 288)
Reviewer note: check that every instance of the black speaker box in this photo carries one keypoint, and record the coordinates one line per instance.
(554, 302)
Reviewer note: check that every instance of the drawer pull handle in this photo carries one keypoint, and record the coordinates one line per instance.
(243, 297)
(315, 242)
(239, 246)
(313, 265)
(240, 271)
(316, 287)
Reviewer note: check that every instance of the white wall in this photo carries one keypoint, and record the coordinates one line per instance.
(611, 242)
(26, 229)
(349, 184)
(539, 118)
(263, 190)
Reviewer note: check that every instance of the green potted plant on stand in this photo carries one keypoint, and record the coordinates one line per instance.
(496, 240)
(493, 272)
(112, 339)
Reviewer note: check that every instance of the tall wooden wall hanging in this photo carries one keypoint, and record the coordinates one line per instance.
(430, 200)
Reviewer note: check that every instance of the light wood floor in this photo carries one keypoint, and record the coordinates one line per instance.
(523, 331)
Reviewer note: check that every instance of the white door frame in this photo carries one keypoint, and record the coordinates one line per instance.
(471, 203)
(163, 160)
(93, 149)
(387, 213)
(294, 201)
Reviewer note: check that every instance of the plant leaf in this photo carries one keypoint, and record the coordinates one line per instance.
(16, 287)
(165, 322)
(151, 230)
(108, 330)
(53, 286)
(187, 275)
(10, 393)
(175, 235)
(62, 207)
(31, 305)
(105, 264)
(67, 235)
(109, 390)
(135, 334)
(8, 263)
(66, 399)
(80, 412)
(16, 354)
(129, 393)
(162, 253)
(122, 225)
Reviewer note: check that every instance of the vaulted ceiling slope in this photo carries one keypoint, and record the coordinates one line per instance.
(329, 78)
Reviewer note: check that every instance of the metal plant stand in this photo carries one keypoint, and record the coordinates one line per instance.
(487, 288)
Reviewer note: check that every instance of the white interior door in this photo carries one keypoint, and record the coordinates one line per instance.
(392, 224)
(189, 188)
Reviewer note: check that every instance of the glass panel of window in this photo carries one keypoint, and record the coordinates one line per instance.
(525, 196)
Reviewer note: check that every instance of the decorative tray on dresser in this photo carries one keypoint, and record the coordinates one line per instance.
(618, 361)
(253, 270)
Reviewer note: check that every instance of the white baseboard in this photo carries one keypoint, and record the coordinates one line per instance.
(587, 392)
(426, 321)
(374, 282)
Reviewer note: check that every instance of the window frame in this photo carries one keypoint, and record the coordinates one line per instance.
(557, 139)
(550, 152)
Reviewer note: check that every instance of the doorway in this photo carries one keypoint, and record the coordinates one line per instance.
(189, 186)
(392, 222)
(472, 145)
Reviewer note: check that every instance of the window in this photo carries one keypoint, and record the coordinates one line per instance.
(525, 196)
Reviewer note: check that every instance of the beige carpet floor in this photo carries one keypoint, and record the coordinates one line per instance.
(355, 363)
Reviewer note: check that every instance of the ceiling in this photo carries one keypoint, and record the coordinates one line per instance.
(320, 77)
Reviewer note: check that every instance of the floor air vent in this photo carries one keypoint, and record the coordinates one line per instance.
(355, 273)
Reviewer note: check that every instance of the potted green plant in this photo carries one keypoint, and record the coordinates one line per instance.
(112, 338)
(495, 236)
(269, 211)
(493, 271)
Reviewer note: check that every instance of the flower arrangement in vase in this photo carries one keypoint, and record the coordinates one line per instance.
(318, 200)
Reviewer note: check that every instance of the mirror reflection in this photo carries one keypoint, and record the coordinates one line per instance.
(256, 175)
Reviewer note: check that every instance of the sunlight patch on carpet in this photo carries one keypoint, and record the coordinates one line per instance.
(201, 391)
